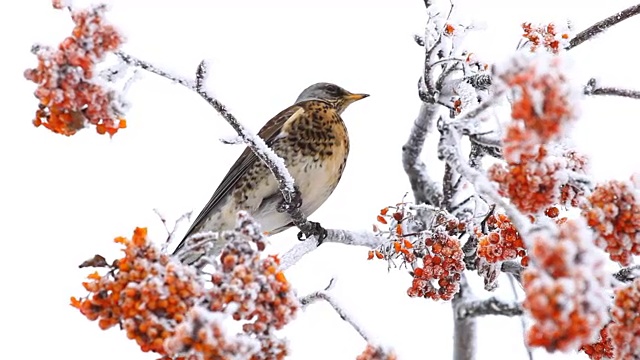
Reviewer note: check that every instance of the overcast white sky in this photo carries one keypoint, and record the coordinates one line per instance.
(64, 199)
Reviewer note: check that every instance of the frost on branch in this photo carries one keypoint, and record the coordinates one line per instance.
(435, 255)
(566, 287)
(538, 173)
(169, 309)
(625, 330)
(69, 92)
(613, 211)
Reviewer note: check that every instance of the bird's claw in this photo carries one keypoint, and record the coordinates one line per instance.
(316, 230)
(294, 203)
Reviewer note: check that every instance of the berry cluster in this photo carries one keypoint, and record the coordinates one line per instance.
(501, 242)
(601, 349)
(613, 211)
(168, 309)
(547, 36)
(145, 292)
(204, 332)
(531, 184)
(625, 330)
(249, 288)
(442, 262)
(566, 289)
(372, 352)
(536, 175)
(69, 96)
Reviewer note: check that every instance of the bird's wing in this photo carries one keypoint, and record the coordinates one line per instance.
(269, 132)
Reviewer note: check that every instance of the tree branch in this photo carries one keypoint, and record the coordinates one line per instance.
(464, 328)
(602, 25)
(362, 238)
(322, 295)
(490, 306)
(628, 274)
(425, 190)
(593, 89)
(449, 150)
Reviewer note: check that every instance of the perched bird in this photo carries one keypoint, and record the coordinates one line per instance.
(311, 138)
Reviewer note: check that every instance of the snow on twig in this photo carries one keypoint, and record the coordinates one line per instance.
(323, 295)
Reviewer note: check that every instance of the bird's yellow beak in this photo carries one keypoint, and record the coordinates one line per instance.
(355, 97)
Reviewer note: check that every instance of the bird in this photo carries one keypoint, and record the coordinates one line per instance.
(312, 139)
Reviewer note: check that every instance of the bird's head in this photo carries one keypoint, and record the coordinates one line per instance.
(338, 97)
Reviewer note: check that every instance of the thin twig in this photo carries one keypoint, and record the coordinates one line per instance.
(593, 89)
(603, 25)
(523, 324)
(322, 295)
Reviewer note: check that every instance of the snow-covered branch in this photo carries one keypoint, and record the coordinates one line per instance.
(490, 306)
(449, 150)
(592, 88)
(323, 295)
(362, 238)
(425, 190)
(628, 274)
(464, 328)
(603, 25)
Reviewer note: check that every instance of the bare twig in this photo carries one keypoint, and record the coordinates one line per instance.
(363, 238)
(322, 295)
(130, 60)
(425, 190)
(523, 323)
(593, 89)
(602, 25)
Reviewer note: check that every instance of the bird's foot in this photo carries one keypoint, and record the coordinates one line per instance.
(294, 203)
(314, 229)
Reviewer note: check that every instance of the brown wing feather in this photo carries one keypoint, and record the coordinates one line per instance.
(268, 133)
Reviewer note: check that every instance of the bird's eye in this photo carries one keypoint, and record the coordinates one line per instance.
(332, 89)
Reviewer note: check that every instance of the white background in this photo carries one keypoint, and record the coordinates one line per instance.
(64, 199)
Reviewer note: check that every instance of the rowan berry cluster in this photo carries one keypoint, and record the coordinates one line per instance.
(169, 309)
(625, 330)
(536, 175)
(145, 292)
(434, 254)
(501, 241)
(249, 288)
(372, 352)
(566, 290)
(601, 349)
(438, 277)
(546, 36)
(70, 96)
(613, 211)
